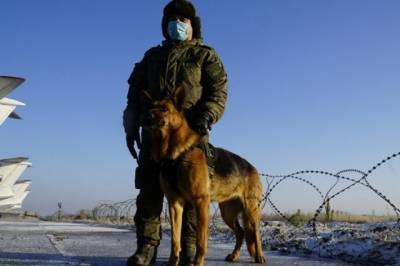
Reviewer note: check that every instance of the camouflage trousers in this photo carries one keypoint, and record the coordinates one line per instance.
(149, 205)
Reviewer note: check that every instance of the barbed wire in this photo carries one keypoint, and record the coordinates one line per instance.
(124, 211)
(339, 176)
(362, 181)
(118, 212)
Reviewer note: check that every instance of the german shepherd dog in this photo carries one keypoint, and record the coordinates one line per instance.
(235, 184)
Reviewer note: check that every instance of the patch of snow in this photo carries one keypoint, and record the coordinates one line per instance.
(370, 244)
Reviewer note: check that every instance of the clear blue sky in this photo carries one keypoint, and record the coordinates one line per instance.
(312, 85)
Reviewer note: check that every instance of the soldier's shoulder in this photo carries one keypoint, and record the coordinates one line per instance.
(154, 50)
(208, 52)
(206, 47)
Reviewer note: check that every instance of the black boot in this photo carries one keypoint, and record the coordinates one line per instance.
(145, 254)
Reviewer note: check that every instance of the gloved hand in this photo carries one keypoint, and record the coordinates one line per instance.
(132, 131)
(202, 125)
(130, 143)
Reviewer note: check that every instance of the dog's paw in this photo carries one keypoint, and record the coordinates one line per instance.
(232, 257)
(260, 259)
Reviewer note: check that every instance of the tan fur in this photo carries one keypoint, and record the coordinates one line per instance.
(235, 193)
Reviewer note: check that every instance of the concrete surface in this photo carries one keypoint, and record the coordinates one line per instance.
(46, 243)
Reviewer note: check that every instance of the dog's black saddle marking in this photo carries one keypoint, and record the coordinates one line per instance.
(219, 161)
(223, 162)
(227, 163)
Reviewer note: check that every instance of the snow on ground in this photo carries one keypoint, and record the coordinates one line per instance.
(368, 244)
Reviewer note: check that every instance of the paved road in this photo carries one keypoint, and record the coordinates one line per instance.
(44, 243)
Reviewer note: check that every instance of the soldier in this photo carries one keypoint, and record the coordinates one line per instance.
(181, 60)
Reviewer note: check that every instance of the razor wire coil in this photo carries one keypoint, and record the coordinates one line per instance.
(124, 211)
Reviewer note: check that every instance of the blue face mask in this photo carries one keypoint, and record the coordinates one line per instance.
(177, 30)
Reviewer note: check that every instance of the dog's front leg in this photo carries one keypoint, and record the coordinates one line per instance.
(202, 208)
(175, 214)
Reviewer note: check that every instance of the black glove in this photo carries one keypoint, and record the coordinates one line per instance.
(132, 131)
(130, 143)
(202, 125)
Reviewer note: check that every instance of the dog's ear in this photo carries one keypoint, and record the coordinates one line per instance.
(179, 97)
(146, 95)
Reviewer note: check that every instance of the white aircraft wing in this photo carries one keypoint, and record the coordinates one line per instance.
(6, 208)
(10, 170)
(7, 107)
(14, 202)
(20, 186)
(8, 84)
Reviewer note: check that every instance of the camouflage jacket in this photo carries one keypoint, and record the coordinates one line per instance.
(190, 64)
